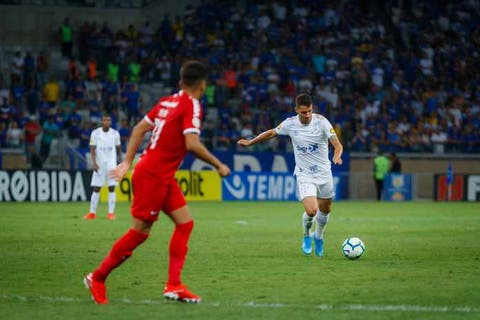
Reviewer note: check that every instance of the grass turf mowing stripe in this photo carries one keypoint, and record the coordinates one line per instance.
(348, 307)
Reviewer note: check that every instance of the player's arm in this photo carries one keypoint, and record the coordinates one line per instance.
(264, 136)
(338, 149)
(118, 146)
(119, 153)
(194, 145)
(136, 139)
(93, 155)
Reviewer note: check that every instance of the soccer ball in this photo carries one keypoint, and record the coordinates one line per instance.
(353, 248)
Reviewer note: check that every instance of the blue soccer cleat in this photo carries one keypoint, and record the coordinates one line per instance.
(307, 245)
(318, 247)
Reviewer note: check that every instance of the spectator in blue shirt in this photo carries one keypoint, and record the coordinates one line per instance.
(3, 134)
(124, 132)
(470, 140)
(32, 97)
(60, 119)
(74, 131)
(28, 67)
(131, 99)
(43, 110)
(84, 143)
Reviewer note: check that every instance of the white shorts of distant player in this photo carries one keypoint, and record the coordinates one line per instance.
(318, 187)
(101, 176)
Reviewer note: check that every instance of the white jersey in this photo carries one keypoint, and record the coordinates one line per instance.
(310, 144)
(105, 144)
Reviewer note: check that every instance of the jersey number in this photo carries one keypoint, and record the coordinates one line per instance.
(159, 123)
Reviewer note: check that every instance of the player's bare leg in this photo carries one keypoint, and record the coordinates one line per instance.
(174, 288)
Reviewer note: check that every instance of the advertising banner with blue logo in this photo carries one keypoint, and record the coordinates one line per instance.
(268, 186)
(398, 187)
(259, 186)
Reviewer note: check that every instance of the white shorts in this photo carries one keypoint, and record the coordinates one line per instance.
(101, 176)
(321, 188)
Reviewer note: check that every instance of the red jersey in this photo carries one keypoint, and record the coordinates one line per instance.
(172, 117)
(32, 130)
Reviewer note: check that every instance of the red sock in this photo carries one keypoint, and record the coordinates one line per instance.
(121, 251)
(178, 251)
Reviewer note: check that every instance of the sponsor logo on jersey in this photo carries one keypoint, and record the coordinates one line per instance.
(311, 148)
(169, 104)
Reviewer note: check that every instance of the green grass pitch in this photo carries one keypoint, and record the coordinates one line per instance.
(422, 261)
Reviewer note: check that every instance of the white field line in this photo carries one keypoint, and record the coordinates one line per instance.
(252, 304)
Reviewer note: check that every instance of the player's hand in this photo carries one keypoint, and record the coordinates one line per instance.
(223, 170)
(337, 160)
(95, 167)
(243, 142)
(120, 171)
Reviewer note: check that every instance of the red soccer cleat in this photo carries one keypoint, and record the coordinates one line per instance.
(97, 289)
(180, 293)
(89, 216)
(111, 216)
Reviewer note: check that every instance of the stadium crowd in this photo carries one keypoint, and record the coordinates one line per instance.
(392, 80)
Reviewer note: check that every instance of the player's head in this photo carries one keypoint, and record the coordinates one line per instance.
(193, 77)
(106, 122)
(304, 108)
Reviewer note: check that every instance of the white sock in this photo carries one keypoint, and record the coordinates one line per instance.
(307, 223)
(112, 197)
(322, 219)
(94, 201)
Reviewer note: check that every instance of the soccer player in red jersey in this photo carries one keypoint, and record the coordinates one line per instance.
(175, 125)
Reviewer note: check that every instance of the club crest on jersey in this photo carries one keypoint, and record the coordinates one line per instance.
(311, 148)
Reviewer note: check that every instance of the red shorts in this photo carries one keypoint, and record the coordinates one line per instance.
(152, 195)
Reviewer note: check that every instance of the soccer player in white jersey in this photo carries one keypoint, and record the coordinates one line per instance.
(310, 134)
(105, 150)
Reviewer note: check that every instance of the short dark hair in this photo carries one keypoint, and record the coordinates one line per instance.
(192, 73)
(303, 99)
